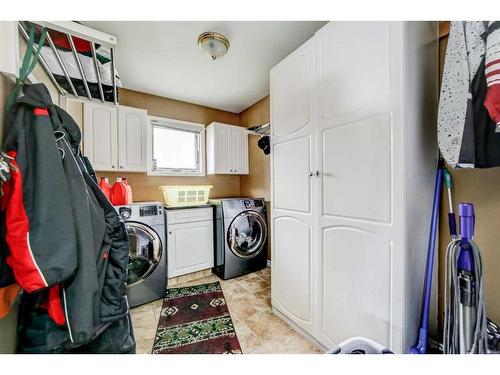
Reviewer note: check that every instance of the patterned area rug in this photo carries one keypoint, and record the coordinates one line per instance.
(196, 320)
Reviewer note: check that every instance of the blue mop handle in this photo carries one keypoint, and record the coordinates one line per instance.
(421, 346)
(431, 247)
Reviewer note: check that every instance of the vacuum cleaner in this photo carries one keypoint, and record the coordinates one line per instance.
(465, 324)
(466, 328)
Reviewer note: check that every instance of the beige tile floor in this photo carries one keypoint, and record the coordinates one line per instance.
(249, 300)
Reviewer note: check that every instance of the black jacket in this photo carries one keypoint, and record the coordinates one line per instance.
(72, 254)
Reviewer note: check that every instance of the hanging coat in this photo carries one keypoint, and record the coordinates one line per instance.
(492, 71)
(464, 53)
(9, 290)
(67, 245)
(467, 134)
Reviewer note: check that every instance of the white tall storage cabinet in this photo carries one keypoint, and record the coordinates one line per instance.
(353, 121)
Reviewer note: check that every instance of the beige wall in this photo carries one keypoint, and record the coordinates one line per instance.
(480, 187)
(145, 188)
(258, 182)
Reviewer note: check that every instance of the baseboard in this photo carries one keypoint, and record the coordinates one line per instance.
(269, 263)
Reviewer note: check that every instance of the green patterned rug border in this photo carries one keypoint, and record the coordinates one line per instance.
(193, 332)
(193, 290)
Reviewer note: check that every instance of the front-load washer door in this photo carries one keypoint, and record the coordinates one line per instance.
(247, 234)
(145, 251)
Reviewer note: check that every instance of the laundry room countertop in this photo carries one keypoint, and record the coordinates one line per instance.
(186, 207)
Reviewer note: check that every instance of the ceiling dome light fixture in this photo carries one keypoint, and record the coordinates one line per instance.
(213, 44)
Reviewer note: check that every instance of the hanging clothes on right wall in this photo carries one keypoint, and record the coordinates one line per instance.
(469, 105)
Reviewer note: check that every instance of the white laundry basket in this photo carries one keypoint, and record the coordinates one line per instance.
(359, 345)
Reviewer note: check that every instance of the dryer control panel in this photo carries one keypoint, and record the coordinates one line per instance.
(253, 203)
(149, 213)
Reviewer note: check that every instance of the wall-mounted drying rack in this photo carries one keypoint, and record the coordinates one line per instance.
(264, 129)
(80, 61)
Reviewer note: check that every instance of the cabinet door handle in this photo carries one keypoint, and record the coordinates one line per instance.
(311, 174)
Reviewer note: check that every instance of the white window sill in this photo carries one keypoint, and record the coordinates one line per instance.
(175, 174)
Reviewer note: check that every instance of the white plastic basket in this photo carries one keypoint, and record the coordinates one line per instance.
(178, 196)
(359, 345)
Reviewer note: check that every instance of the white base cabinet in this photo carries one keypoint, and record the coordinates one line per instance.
(115, 137)
(227, 149)
(353, 122)
(190, 240)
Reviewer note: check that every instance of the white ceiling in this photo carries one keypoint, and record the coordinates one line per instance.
(163, 58)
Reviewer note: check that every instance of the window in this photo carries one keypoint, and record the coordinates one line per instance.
(175, 148)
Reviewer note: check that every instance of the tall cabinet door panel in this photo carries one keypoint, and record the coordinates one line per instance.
(293, 209)
(132, 139)
(360, 213)
(101, 136)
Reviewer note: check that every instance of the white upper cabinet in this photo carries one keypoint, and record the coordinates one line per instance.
(100, 136)
(132, 141)
(227, 149)
(115, 137)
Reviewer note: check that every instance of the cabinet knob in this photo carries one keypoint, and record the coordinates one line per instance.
(121, 166)
(170, 232)
(113, 167)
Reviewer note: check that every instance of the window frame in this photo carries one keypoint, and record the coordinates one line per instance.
(155, 121)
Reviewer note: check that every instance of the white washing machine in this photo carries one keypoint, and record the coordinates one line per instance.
(147, 268)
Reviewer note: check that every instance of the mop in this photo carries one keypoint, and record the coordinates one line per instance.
(421, 346)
